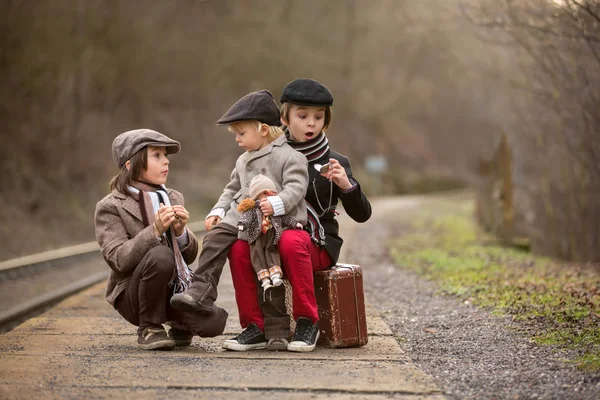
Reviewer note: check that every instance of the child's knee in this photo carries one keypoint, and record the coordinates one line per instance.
(162, 259)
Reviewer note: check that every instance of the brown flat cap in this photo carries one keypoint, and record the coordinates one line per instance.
(128, 143)
(259, 106)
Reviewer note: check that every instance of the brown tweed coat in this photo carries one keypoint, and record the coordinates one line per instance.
(124, 240)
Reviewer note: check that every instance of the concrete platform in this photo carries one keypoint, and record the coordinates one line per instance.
(82, 349)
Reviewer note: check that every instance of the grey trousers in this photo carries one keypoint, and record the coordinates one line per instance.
(215, 247)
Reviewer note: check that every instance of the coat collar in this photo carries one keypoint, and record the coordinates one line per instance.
(280, 141)
(131, 205)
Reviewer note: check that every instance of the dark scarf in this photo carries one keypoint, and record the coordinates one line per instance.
(148, 208)
(313, 149)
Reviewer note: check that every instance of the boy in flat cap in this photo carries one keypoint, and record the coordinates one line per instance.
(306, 113)
(254, 119)
(141, 230)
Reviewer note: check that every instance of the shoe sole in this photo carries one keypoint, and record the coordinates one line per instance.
(182, 343)
(187, 303)
(161, 345)
(301, 347)
(234, 346)
(277, 346)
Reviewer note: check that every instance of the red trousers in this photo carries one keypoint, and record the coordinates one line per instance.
(300, 257)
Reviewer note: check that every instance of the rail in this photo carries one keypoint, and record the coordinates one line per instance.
(43, 265)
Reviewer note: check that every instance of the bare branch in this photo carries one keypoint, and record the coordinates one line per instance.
(587, 9)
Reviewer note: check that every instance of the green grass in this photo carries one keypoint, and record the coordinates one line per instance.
(556, 303)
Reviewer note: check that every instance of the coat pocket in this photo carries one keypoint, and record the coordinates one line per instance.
(236, 198)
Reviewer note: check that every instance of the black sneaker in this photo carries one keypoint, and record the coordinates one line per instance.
(250, 339)
(305, 337)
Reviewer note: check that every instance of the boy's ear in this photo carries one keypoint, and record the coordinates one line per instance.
(264, 129)
(128, 164)
(283, 121)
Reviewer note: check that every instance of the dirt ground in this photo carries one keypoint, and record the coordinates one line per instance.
(470, 353)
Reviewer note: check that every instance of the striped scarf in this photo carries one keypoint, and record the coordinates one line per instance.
(149, 202)
(313, 149)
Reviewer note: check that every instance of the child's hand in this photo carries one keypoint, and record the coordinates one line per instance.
(299, 225)
(181, 219)
(211, 221)
(163, 219)
(337, 174)
(266, 207)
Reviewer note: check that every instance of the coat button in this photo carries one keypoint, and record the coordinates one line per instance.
(249, 169)
(247, 184)
(263, 170)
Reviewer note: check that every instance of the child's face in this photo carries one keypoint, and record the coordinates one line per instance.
(248, 137)
(305, 122)
(265, 193)
(158, 166)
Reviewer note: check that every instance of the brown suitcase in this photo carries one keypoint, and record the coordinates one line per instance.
(341, 303)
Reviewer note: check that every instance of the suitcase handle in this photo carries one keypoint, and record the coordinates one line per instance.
(352, 267)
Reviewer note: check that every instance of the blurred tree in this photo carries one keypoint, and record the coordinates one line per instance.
(415, 82)
(555, 129)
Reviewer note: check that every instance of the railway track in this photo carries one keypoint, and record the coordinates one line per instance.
(30, 285)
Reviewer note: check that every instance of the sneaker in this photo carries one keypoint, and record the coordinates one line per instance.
(250, 339)
(155, 339)
(276, 273)
(266, 285)
(305, 337)
(181, 337)
(187, 301)
(277, 344)
(276, 280)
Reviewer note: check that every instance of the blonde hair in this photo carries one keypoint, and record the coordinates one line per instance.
(285, 114)
(274, 131)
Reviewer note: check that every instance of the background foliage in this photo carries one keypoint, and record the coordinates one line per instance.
(433, 86)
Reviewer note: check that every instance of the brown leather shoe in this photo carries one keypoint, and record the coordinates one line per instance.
(189, 300)
(277, 344)
(155, 339)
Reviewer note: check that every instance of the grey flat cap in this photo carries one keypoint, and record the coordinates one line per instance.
(259, 106)
(128, 143)
(307, 92)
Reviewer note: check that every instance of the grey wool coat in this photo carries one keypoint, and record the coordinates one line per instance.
(124, 240)
(286, 167)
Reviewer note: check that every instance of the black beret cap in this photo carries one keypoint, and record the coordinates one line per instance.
(259, 105)
(307, 92)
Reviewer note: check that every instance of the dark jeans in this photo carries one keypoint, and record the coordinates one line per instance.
(145, 301)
